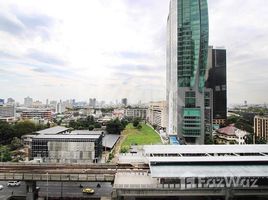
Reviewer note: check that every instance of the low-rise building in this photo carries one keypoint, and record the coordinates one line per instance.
(7, 111)
(43, 114)
(68, 148)
(230, 135)
(136, 113)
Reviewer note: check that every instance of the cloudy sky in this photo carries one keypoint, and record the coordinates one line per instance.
(111, 49)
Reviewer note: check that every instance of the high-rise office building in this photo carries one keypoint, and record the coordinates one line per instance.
(261, 128)
(124, 101)
(187, 47)
(92, 102)
(217, 82)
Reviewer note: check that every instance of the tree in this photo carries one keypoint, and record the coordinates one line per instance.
(208, 139)
(15, 143)
(114, 126)
(23, 128)
(97, 125)
(260, 140)
(136, 122)
(90, 127)
(139, 127)
(5, 154)
(7, 132)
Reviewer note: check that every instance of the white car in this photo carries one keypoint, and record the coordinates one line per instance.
(13, 183)
(1, 187)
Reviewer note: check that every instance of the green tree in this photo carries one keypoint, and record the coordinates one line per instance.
(7, 132)
(5, 154)
(260, 140)
(90, 127)
(23, 128)
(15, 143)
(114, 126)
(136, 122)
(97, 125)
(208, 139)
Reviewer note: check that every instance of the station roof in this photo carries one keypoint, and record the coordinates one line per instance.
(109, 140)
(182, 171)
(204, 149)
(53, 130)
(208, 159)
(67, 136)
(86, 132)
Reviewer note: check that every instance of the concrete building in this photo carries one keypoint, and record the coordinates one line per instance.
(2, 102)
(28, 101)
(124, 101)
(261, 127)
(136, 113)
(92, 102)
(217, 82)
(58, 145)
(157, 114)
(33, 113)
(10, 101)
(7, 111)
(187, 49)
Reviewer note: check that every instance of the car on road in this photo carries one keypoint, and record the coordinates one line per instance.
(1, 187)
(13, 183)
(88, 191)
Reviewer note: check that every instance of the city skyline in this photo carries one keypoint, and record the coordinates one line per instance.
(113, 49)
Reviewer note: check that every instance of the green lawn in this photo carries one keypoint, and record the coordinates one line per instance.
(146, 135)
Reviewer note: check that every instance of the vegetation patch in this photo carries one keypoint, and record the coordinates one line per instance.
(139, 136)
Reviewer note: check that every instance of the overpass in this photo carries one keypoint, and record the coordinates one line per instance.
(30, 173)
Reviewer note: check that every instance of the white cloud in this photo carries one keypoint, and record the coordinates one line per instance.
(112, 49)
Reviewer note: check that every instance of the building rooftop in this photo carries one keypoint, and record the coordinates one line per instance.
(177, 171)
(205, 149)
(53, 130)
(67, 136)
(109, 140)
(228, 130)
(86, 132)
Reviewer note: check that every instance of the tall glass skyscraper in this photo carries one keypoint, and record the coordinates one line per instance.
(187, 49)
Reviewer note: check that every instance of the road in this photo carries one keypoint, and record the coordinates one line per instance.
(60, 189)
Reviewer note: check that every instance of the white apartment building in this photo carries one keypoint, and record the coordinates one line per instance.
(157, 113)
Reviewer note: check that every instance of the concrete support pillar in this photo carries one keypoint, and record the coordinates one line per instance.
(30, 190)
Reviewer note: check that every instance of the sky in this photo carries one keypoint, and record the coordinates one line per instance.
(112, 49)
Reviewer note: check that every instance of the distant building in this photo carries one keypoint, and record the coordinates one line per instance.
(230, 135)
(157, 114)
(7, 111)
(10, 101)
(136, 113)
(44, 114)
(124, 101)
(28, 101)
(217, 82)
(261, 127)
(37, 104)
(78, 147)
(92, 102)
(2, 102)
(60, 107)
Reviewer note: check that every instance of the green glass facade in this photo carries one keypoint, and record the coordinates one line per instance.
(187, 52)
(192, 42)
